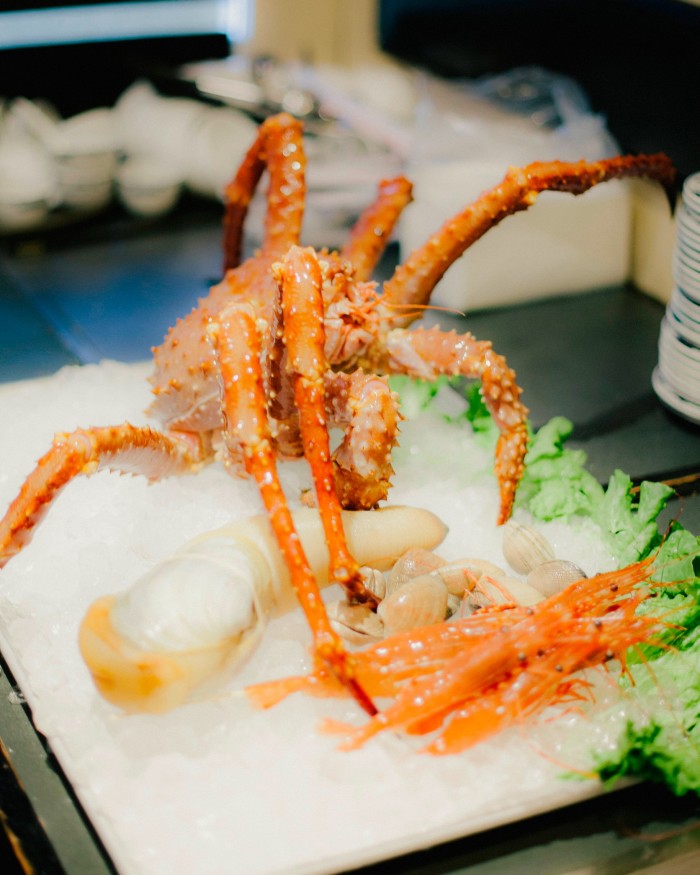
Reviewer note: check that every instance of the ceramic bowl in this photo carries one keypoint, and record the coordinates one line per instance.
(147, 186)
(28, 186)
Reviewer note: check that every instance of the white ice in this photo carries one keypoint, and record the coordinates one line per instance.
(217, 786)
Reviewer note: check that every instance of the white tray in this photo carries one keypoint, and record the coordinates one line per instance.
(218, 787)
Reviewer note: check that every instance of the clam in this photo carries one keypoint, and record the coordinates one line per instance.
(419, 602)
(375, 581)
(413, 563)
(524, 548)
(512, 590)
(553, 576)
(355, 623)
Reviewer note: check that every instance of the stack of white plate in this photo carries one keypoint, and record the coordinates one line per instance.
(676, 379)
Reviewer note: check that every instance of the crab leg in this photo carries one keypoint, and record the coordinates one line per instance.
(278, 148)
(187, 395)
(367, 410)
(414, 281)
(428, 353)
(124, 448)
(237, 345)
(302, 304)
(370, 234)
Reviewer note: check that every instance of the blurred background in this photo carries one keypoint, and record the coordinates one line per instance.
(136, 108)
(635, 62)
(82, 53)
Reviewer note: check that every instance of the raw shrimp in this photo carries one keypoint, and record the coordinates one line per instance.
(473, 677)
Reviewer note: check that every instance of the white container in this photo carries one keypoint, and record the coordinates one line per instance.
(85, 149)
(148, 187)
(28, 187)
(160, 126)
(91, 194)
(217, 145)
(19, 214)
(87, 132)
(563, 244)
(85, 166)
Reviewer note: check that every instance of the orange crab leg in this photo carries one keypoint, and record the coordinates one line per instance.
(428, 353)
(277, 148)
(370, 234)
(414, 281)
(302, 307)
(365, 407)
(124, 448)
(237, 345)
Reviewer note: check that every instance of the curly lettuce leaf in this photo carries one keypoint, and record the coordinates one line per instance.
(629, 527)
(661, 739)
(556, 484)
(662, 742)
(676, 595)
(477, 414)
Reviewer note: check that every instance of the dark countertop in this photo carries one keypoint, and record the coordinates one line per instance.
(111, 289)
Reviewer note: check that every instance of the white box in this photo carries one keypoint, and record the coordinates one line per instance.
(563, 244)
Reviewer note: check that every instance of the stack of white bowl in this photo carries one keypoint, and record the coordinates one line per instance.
(676, 379)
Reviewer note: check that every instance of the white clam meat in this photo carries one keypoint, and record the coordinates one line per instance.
(203, 594)
(175, 633)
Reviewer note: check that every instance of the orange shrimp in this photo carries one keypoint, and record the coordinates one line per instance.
(473, 677)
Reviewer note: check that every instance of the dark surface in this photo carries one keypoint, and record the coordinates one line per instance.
(110, 290)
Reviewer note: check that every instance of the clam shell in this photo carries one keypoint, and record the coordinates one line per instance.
(201, 596)
(553, 576)
(375, 581)
(524, 548)
(419, 602)
(413, 563)
(355, 623)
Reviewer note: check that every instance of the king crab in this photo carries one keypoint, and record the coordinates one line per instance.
(290, 343)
